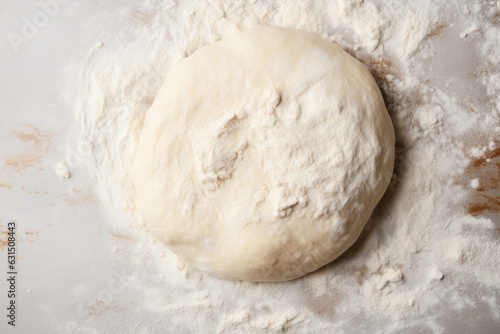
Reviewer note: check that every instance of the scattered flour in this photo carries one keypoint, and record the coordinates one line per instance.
(435, 274)
(62, 170)
(392, 278)
(474, 183)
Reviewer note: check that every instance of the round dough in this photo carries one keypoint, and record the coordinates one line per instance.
(263, 155)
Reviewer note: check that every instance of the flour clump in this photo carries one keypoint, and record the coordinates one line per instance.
(263, 155)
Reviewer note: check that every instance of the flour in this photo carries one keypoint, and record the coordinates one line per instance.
(420, 250)
(62, 170)
(474, 183)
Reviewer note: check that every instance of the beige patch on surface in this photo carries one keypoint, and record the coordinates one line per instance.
(39, 142)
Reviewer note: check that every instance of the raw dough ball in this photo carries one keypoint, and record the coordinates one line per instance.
(263, 155)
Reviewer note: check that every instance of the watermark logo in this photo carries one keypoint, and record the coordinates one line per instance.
(31, 27)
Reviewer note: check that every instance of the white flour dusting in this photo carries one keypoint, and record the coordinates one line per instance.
(62, 170)
(420, 250)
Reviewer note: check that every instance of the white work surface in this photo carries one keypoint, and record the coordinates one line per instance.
(65, 256)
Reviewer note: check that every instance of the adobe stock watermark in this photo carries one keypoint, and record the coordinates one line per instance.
(31, 27)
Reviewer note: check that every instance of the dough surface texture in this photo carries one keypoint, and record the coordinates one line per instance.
(263, 155)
